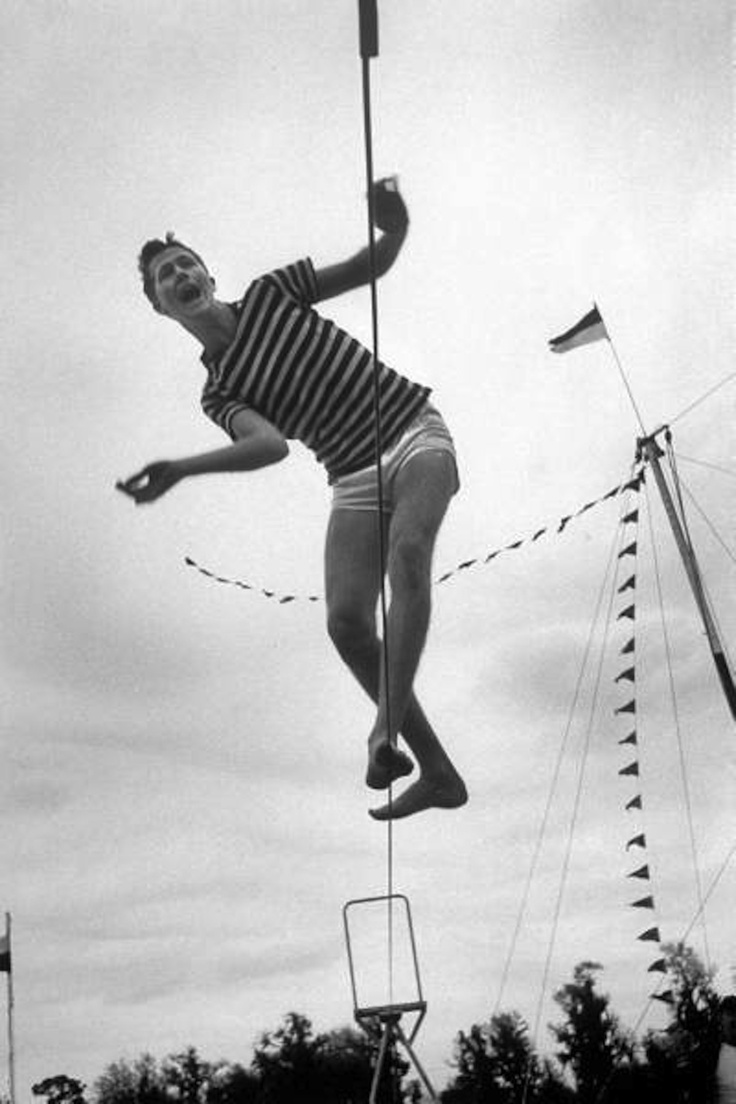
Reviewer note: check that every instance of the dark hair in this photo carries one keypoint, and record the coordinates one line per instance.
(151, 250)
(728, 1004)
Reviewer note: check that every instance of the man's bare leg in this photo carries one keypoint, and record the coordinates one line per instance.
(422, 492)
(353, 583)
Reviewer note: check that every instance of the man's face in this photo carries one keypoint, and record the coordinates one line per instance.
(182, 285)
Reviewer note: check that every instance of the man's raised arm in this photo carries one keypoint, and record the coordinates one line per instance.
(392, 218)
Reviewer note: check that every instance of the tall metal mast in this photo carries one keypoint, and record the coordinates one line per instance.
(651, 450)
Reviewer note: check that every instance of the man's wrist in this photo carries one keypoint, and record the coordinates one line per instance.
(180, 469)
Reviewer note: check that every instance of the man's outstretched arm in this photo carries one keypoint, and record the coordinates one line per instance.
(258, 444)
(391, 217)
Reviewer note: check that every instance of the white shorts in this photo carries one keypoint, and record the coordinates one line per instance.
(426, 433)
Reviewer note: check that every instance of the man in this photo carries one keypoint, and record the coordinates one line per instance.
(726, 1066)
(277, 370)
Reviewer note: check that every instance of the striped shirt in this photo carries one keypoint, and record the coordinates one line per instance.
(310, 379)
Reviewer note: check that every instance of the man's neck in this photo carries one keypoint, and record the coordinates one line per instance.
(214, 328)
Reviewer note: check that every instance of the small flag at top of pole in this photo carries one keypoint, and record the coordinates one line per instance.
(590, 328)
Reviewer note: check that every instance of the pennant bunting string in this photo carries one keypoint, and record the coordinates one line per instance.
(633, 484)
(631, 770)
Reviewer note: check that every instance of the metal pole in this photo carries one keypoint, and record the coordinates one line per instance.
(653, 452)
(368, 20)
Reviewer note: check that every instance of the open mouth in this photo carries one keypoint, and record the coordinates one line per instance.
(187, 293)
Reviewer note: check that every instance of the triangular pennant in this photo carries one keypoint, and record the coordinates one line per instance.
(666, 997)
(642, 872)
(637, 841)
(629, 612)
(629, 675)
(635, 803)
(651, 935)
(643, 902)
(538, 534)
(492, 555)
(629, 707)
(514, 546)
(658, 967)
(628, 647)
(628, 585)
(563, 522)
(635, 483)
(633, 516)
(630, 550)
(632, 770)
(630, 739)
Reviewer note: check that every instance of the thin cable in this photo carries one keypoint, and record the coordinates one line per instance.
(730, 554)
(706, 464)
(707, 395)
(384, 675)
(545, 818)
(538, 845)
(578, 788)
(540, 837)
(714, 532)
(678, 729)
(696, 568)
(629, 392)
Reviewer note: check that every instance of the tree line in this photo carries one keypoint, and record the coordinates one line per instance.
(596, 1060)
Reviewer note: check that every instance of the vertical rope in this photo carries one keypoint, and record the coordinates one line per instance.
(384, 674)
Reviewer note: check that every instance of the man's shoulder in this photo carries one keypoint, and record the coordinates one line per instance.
(296, 280)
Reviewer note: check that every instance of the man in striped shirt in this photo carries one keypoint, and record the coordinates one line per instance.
(277, 370)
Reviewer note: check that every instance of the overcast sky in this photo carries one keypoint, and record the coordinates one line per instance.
(183, 812)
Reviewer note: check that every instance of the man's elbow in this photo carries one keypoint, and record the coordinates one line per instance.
(280, 449)
(273, 448)
(259, 450)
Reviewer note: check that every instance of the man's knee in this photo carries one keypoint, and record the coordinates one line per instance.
(352, 630)
(410, 562)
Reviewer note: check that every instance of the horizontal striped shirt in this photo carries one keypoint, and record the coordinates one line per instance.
(310, 379)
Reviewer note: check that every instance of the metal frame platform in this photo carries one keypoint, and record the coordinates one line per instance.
(382, 1022)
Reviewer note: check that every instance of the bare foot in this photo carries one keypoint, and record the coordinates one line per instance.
(385, 764)
(440, 791)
